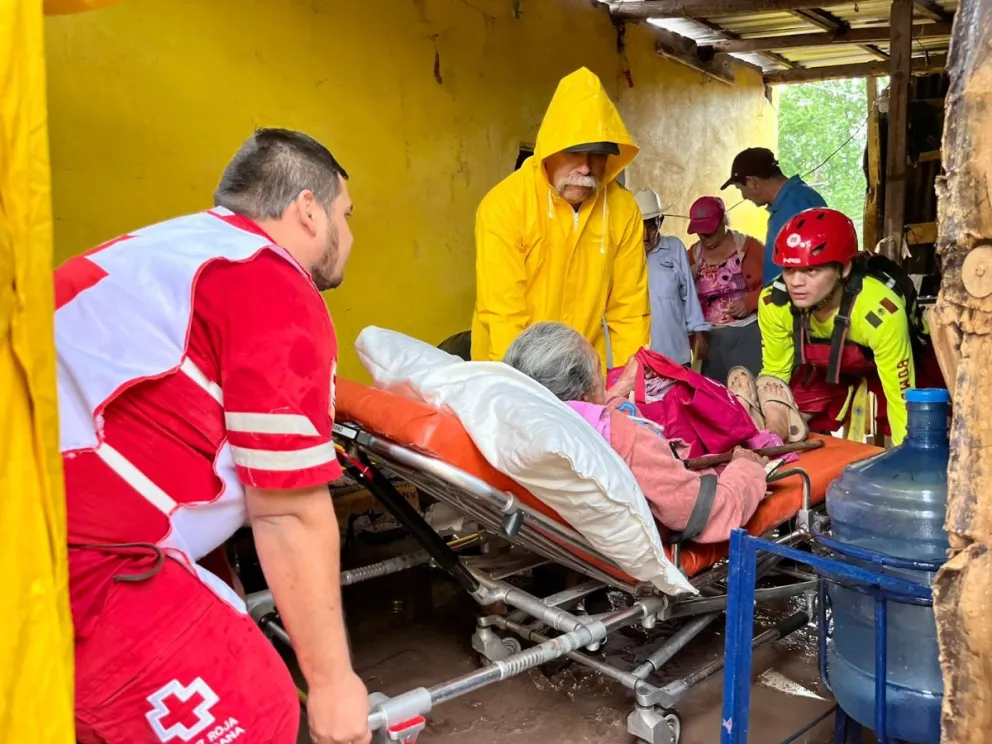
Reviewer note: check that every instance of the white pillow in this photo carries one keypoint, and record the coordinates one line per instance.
(524, 431)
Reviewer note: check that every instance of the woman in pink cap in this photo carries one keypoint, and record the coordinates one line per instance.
(727, 268)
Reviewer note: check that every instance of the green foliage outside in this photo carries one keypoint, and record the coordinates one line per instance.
(814, 119)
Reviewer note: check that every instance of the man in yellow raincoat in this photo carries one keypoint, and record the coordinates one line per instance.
(560, 240)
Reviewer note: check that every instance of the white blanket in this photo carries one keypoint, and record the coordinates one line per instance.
(538, 441)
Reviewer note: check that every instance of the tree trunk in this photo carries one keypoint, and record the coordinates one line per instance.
(963, 587)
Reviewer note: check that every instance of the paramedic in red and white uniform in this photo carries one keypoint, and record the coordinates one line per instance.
(196, 364)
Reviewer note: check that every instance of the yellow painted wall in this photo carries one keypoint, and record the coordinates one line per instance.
(689, 127)
(149, 99)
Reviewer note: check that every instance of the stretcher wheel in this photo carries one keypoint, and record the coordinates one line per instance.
(652, 725)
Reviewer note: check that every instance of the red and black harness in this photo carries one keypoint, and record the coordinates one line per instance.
(820, 366)
(835, 360)
(841, 358)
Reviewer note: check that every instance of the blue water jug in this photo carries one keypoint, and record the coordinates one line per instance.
(894, 504)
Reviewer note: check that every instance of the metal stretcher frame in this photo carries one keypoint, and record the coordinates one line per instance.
(552, 623)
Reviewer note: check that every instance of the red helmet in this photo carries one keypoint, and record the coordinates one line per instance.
(815, 237)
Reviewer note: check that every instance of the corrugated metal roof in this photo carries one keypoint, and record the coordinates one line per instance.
(842, 54)
(866, 14)
(767, 24)
(704, 35)
(689, 28)
(872, 10)
(845, 54)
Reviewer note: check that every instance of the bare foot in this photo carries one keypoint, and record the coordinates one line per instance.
(777, 421)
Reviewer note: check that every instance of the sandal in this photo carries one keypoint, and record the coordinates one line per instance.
(741, 383)
(774, 392)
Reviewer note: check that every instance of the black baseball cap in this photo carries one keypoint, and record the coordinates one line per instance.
(754, 162)
(602, 148)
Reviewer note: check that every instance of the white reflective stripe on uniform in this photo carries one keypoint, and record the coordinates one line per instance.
(311, 457)
(270, 423)
(136, 479)
(196, 375)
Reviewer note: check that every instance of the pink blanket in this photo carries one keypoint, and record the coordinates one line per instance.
(669, 488)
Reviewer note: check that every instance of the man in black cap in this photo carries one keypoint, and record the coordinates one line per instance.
(757, 174)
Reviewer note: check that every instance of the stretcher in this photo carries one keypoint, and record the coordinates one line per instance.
(385, 439)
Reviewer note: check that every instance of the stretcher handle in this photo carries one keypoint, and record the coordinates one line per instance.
(708, 461)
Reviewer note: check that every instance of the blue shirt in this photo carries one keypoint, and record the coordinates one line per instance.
(793, 198)
(675, 309)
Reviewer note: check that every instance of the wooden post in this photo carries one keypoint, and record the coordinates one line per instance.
(963, 316)
(870, 225)
(901, 50)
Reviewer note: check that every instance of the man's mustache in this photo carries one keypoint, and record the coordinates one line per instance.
(577, 179)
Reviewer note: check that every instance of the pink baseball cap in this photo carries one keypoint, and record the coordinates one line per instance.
(705, 215)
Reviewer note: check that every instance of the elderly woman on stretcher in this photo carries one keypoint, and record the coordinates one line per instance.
(566, 364)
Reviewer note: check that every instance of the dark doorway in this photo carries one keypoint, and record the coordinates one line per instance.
(525, 152)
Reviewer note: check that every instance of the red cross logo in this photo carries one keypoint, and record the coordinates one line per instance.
(181, 712)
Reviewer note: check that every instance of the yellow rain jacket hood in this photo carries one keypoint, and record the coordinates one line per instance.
(538, 259)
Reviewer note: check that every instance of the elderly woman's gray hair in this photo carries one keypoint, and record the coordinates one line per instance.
(557, 357)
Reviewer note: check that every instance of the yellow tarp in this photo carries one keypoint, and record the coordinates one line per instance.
(36, 684)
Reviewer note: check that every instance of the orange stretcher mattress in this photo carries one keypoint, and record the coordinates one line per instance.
(441, 435)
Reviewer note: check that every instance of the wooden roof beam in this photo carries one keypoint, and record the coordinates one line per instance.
(920, 65)
(684, 50)
(841, 36)
(820, 19)
(707, 52)
(831, 23)
(874, 50)
(684, 8)
(933, 9)
(644, 9)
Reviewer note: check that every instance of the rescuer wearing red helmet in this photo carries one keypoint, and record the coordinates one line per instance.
(836, 323)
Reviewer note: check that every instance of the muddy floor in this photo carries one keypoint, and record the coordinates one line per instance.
(416, 631)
